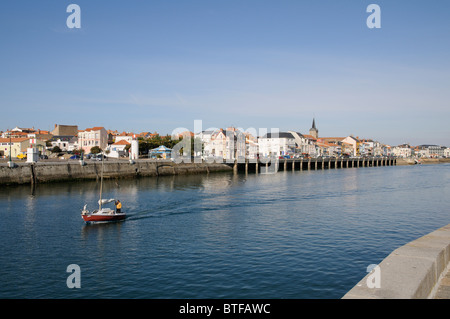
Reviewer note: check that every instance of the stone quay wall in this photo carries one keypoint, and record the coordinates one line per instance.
(43, 172)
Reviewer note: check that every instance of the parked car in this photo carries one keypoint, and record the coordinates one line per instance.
(97, 157)
(75, 157)
(22, 156)
(43, 157)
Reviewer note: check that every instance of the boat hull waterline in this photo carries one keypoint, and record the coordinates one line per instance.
(102, 218)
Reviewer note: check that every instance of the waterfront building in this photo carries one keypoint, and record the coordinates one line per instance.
(386, 149)
(251, 145)
(40, 135)
(354, 142)
(328, 149)
(378, 149)
(118, 149)
(335, 145)
(90, 137)
(126, 136)
(226, 144)
(14, 145)
(422, 152)
(346, 149)
(214, 143)
(309, 146)
(65, 143)
(276, 144)
(205, 136)
(366, 147)
(323, 148)
(65, 130)
(432, 151)
(284, 143)
(447, 152)
(404, 150)
(18, 146)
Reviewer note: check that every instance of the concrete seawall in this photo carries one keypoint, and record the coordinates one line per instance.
(413, 271)
(42, 172)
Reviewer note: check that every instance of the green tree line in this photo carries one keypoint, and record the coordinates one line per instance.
(148, 144)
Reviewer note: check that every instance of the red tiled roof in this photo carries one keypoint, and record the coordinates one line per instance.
(96, 128)
(17, 133)
(126, 134)
(13, 140)
(309, 137)
(122, 142)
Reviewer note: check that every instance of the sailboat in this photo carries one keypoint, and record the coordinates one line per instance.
(102, 214)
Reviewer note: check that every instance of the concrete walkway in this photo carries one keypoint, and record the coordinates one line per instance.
(417, 270)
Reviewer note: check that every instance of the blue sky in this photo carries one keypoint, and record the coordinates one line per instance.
(159, 65)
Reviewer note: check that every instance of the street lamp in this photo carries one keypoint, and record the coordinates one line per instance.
(9, 145)
(10, 163)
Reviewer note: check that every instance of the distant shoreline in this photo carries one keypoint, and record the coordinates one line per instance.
(72, 170)
(411, 161)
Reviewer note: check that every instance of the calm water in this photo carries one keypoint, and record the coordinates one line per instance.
(289, 235)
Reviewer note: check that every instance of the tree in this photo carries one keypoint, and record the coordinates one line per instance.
(96, 150)
(56, 149)
(143, 147)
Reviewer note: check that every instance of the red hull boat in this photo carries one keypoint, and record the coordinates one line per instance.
(103, 216)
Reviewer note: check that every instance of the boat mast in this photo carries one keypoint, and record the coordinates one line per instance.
(101, 185)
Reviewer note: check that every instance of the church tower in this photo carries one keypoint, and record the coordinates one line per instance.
(313, 131)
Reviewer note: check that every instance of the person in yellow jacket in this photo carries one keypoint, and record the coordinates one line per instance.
(118, 206)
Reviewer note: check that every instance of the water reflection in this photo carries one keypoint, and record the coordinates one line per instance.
(30, 214)
(98, 232)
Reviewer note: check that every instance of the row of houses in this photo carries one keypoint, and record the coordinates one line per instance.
(231, 143)
(421, 151)
(65, 137)
(68, 138)
(228, 144)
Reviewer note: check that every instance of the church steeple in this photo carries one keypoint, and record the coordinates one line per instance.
(313, 131)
